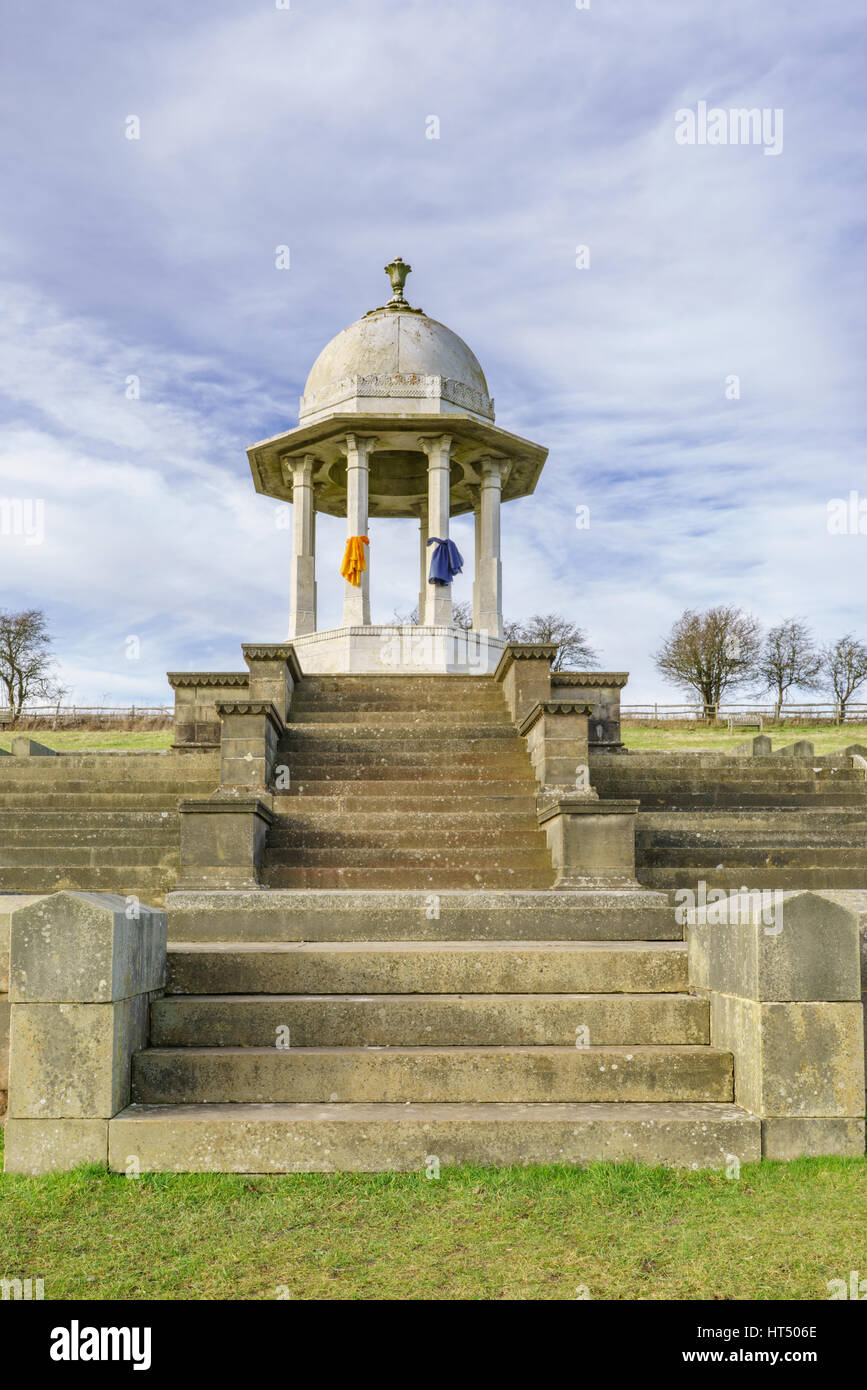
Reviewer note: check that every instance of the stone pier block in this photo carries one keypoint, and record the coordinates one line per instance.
(274, 673)
(785, 999)
(592, 842)
(556, 734)
(524, 671)
(197, 694)
(83, 969)
(250, 734)
(222, 842)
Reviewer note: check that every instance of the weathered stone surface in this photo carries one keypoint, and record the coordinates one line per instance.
(384, 915)
(524, 671)
(450, 1074)
(808, 948)
(400, 1138)
(274, 672)
(428, 967)
(36, 1147)
(813, 1138)
(84, 947)
(601, 689)
(432, 1020)
(799, 1059)
(592, 843)
(4, 1050)
(223, 841)
(72, 1061)
(556, 737)
(758, 747)
(24, 747)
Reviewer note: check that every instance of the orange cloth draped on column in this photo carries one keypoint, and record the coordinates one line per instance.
(354, 560)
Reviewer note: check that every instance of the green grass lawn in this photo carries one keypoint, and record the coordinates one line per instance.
(781, 1231)
(69, 739)
(826, 738)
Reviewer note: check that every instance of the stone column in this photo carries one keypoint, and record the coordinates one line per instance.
(302, 617)
(424, 560)
(476, 494)
(356, 601)
(490, 569)
(438, 597)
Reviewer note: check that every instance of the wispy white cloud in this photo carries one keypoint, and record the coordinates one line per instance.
(307, 126)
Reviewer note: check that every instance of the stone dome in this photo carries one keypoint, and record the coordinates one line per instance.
(396, 360)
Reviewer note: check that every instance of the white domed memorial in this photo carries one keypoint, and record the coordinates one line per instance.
(396, 421)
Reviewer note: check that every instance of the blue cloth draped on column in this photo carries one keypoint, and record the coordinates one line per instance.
(446, 561)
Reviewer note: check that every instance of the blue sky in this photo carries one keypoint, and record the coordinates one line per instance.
(306, 127)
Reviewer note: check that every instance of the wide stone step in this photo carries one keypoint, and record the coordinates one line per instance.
(308, 740)
(135, 821)
(64, 856)
(179, 1076)
(433, 1020)
(416, 769)
(310, 763)
(359, 855)
(427, 967)
(62, 788)
(97, 800)
(691, 762)
(303, 819)
(803, 856)
(377, 801)
(107, 837)
(368, 916)
(420, 835)
(439, 720)
(147, 883)
(401, 1138)
(786, 879)
(121, 763)
(417, 877)
(399, 787)
(479, 705)
(712, 797)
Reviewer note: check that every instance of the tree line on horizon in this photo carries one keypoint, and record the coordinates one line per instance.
(723, 649)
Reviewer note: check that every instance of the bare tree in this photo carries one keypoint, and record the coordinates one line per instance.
(573, 648)
(788, 658)
(844, 669)
(26, 663)
(710, 653)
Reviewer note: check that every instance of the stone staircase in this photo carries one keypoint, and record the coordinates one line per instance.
(772, 822)
(306, 1030)
(404, 782)
(97, 822)
(409, 987)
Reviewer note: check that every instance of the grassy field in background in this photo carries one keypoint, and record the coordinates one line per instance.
(622, 1231)
(67, 740)
(826, 738)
